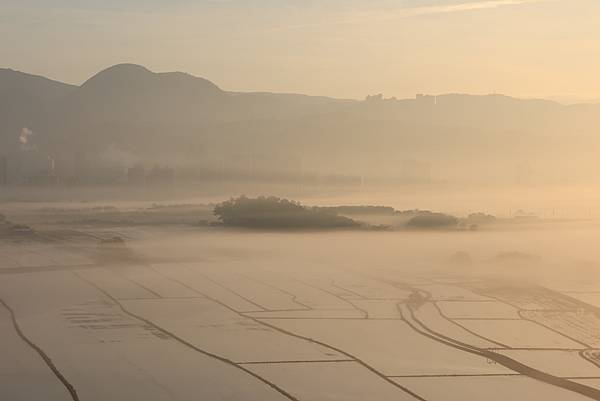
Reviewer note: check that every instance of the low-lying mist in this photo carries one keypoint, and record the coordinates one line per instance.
(537, 253)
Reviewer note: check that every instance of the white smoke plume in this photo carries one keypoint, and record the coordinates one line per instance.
(25, 139)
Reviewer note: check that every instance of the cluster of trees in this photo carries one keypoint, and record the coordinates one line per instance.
(273, 212)
(277, 213)
(481, 218)
(430, 220)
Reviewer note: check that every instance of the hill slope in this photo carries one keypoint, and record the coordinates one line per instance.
(175, 118)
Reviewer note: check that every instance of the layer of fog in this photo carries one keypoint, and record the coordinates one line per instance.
(565, 253)
(552, 202)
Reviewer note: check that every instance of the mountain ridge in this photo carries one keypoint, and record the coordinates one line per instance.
(121, 68)
(174, 117)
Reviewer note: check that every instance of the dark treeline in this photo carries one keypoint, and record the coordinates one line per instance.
(277, 213)
(273, 212)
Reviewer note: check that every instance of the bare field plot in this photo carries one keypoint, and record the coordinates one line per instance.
(442, 292)
(478, 310)
(390, 346)
(527, 297)
(309, 314)
(7, 261)
(39, 255)
(23, 373)
(430, 316)
(590, 298)
(183, 273)
(555, 362)
(364, 287)
(519, 334)
(320, 295)
(378, 309)
(29, 256)
(116, 285)
(346, 381)
(155, 282)
(486, 388)
(328, 286)
(267, 296)
(53, 291)
(65, 257)
(582, 326)
(88, 337)
(218, 330)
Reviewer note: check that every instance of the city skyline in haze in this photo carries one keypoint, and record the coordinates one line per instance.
(346, 49)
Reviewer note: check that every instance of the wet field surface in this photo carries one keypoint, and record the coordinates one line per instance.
(77, 325)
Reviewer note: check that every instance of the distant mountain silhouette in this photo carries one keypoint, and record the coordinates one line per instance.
(128, 92)
(24, 101)
(15, 83)
(132, 77)
(176, 117)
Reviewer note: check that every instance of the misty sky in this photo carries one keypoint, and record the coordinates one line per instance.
(342, 48)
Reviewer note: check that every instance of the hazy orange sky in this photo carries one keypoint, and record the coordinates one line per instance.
(342, 48)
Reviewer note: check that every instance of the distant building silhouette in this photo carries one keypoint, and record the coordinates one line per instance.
(426, 99)
(157, 175)
(375, 98)
(160, 176)
(136, 175)
(41, 169)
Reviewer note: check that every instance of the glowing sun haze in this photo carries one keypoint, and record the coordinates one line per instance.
(341, 48)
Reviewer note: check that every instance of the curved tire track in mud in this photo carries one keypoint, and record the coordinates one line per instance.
(503, 360)
(258, 321)
(70, 388)
(466, 329)
(189, 345)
